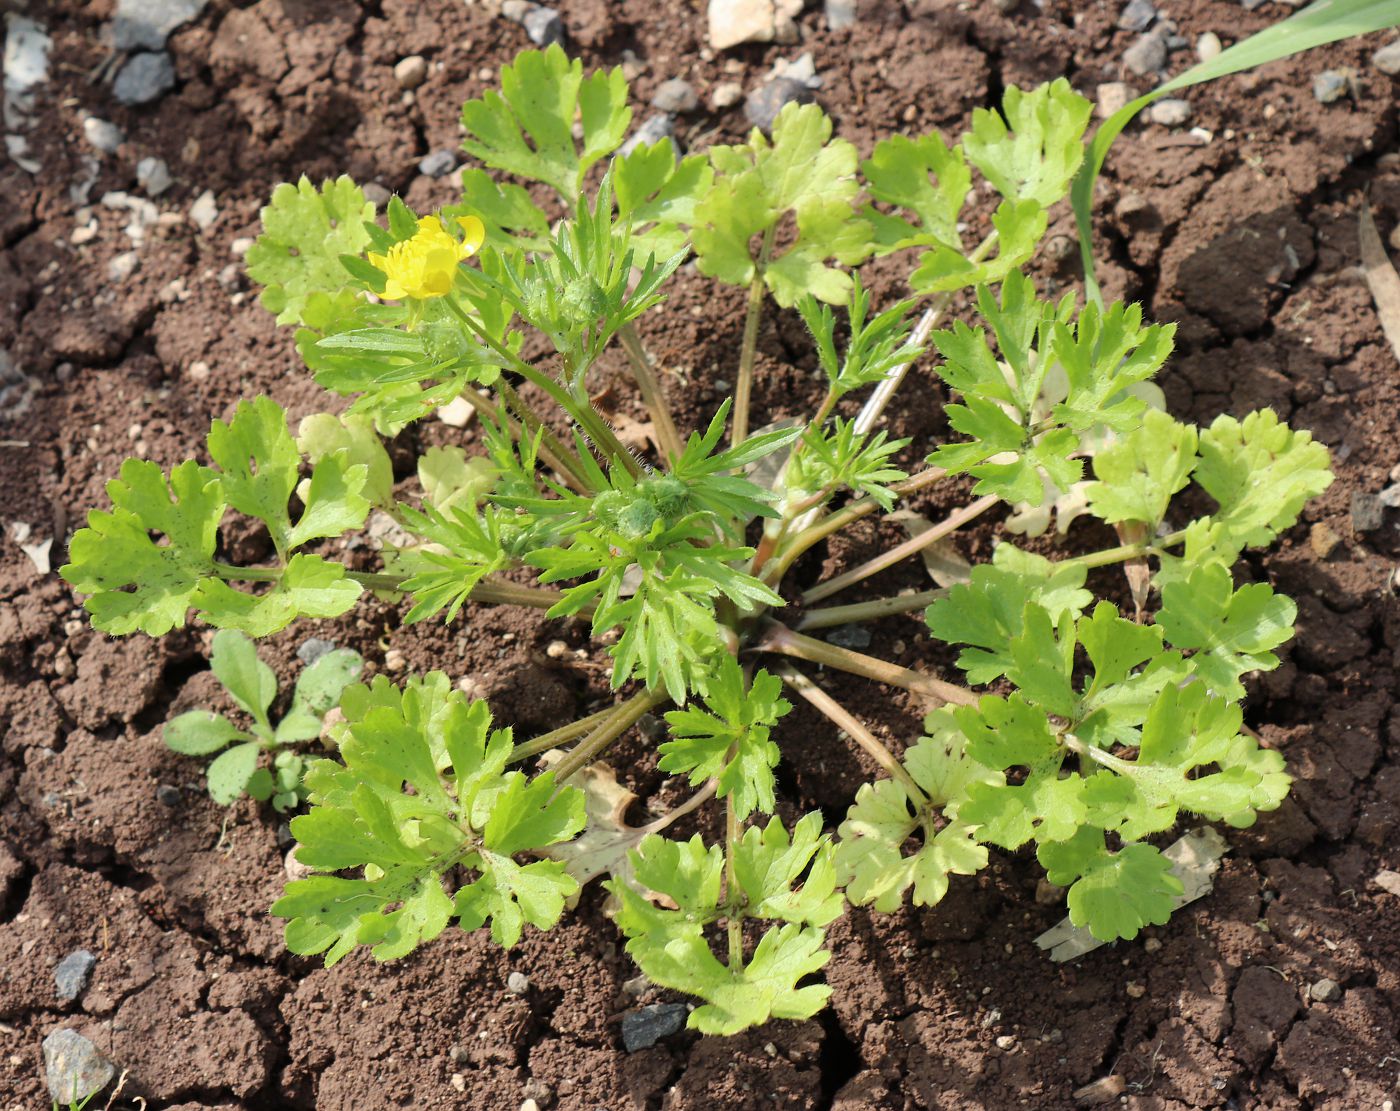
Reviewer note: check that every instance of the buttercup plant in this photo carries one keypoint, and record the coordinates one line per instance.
(1103, 729)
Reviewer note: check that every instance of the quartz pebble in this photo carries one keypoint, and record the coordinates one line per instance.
(153, 175)
(1146, 56)
(1387, 59)
(1170, 112)
(102, 135)
(544, 26)
(411, 72)
(1208, 46)
(726, 94)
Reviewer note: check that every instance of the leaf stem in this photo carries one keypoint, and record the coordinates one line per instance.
(491, 590)
(749, 348)
(555, 737)
(839, 716)
(554, 451)
(782, 640)
(618, 720)
(868, 611)
(653, 393)
(671, 817)
(488, 410)
(911, 546)
(734, 920)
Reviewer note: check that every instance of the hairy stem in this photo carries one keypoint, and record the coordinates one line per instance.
(782, 640)
(697, 800)
(843, 720)
(556, 737)
(529, 425)
(491, 590)
(868, 611)
(744, 387)
(735, 921)
(620, 719)
(653, 393)
(911, 546)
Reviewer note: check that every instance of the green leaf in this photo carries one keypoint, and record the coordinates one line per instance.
(422, 791)
(1137, 476)
(352, 438)
(249, 682)
(1113, 894)
(230, 772)
(1035, 151)
(459, 549)
(1019, 227)
(986, 612)
(730, 740)
(1262, 473)
(924, 177)
(200, 733)
(767, 866)
(334, 500)
(305, 232)
(511, 217)
(451, 478)
(134, 582)
(527, 128)
(258, 460)
(1104, 354)
(657, 194)
(1232, 631)
(318, 689)
(309, 587)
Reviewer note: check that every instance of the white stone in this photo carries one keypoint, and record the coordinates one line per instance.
(102, 135)
(1113, 96)
(727, 94)
(204, 211)
(123, 266)
(1208, 46)
(1387, 58)
(1170, 112)
(153, 175)
(738, 21)
(411, 71)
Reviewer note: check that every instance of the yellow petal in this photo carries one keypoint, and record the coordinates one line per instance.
(474, 234)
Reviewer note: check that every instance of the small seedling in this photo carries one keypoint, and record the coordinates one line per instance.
(238, 770)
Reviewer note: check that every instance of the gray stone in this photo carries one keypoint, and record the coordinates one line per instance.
(644, 1027)
(411, 72)
(653, 130)
(675, 95)
(1137, 15)
(123, 266)
(153, 175)
(144, 78)
(849, 636)
(70, 975)
(840, 14)
(313, 648)
(765, 102)
(1170, 112)
(517, 983)
(169, 796)
(517, 10)
(1367, 511)
(1329, 86)
(439, 163)
(1146, 56)
(1325, 991)
(103, 135)
(544, 26)
(1387, 59)
(1250, 5)
(74, 1068)
(146, 24)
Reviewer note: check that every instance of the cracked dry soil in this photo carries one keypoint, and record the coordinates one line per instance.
(1247, 240)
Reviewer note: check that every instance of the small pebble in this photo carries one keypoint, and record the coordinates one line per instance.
(1323, 540)
(411, 72)
(1208, 46)
(1006, 1041)
(71, 974)
(153, 175)
(74, 1068)
(556, 650)
(1113, 96)
(169, 796)
(1135, 990)
(1137, 15)
(144, 78)
(294, 868)
(103, 135)
(840, 14)
(529, 1105)
(644, 1027)
(204, 211)
(1146, 56)
(1047, 893)
(1170, 112)
(1387, 59)
(1325, 991)
(439, 163)
(517, 983)
(458, 1082)
(1329, 86)
(765, 102)
(653, 130)
(849, 636)
(726, 94)
(313, 648)
(123, 266)
(675, 95)
(544, 26)
(375, 193)
(517, 10)
(537, 1090)
(394, 660)
(1367, 511)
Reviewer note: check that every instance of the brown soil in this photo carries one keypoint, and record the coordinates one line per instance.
(1247, 240)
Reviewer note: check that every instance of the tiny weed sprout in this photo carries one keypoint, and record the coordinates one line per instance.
(253, 687)
(1079, 729)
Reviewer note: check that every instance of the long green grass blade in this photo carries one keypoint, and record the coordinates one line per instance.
(1318, 24)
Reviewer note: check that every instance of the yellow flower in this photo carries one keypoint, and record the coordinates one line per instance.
(424, 266)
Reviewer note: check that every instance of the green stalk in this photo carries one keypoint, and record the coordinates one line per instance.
(911, 546)
(620, 719)
(552, 449)
(868, 611)
(491, 590)
(782, 640)
(744, 387)
(735, 921)
(556, 737)
(653, 393)
(555, 460)
(843, 720)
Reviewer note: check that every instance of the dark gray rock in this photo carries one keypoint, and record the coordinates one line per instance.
(1367, 511)
(849, 636)
(144, 78)
(70, 975)
(74, 1068)
(146, 24)
(1146, 56)
(644, 1027)
(675, 95)
(544, 26)
(313, 648)
(652, 131)
(765, 102)
(169, 796)
(439, 163)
